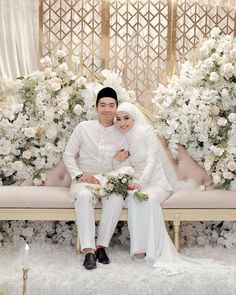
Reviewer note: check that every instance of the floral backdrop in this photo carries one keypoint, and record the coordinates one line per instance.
(196, 109)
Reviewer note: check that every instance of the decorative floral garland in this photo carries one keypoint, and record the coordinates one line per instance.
(16, 233)
(39, 112)
(198, 109)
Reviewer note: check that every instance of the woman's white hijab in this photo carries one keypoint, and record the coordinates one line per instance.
(134, 112)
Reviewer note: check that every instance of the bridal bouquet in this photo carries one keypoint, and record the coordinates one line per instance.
(117, 182)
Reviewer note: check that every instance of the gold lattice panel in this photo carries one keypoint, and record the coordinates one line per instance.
(141, 39)
(195, 19)
(75, 26)
(139, 42)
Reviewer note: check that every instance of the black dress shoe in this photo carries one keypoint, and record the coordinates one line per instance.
(90, 261)
(102, 256)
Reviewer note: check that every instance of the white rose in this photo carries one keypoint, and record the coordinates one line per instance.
(215, 32)
(48, 72)
(46, 61)
(231, 166)
(207, 165)
(48, 146)
(228, 175)
(217, 151)
(110, 187)
(63, 67)
(225, 93)
(222, 60)
(71, 75)
(30, 132)
(18, 165)
(9, 114)
(232, 117)
(202, 188)
(222, 121)
(124, 180)
(27, 154)
(227, 70)
(60, 53)
(214, 56)
(214, 77)
(78, 109)
(37, 181)
(51, 132)
(216, 178)
(80, 81)
(215, 110)
(55, 86)
(5, 149)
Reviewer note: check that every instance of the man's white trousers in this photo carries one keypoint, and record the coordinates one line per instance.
(84, 207)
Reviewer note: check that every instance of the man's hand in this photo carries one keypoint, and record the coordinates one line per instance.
(134, 186)
(89, 179)
(121, 155)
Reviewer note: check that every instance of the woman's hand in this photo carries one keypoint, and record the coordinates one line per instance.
(134, 186)
(89, 179)
(121, 155)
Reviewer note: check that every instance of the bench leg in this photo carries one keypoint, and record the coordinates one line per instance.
(176, 224)
(77, 244)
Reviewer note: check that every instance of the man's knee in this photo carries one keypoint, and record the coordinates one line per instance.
(85, 196)
(114, 200)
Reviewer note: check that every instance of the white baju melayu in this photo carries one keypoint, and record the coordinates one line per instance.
(96, 146)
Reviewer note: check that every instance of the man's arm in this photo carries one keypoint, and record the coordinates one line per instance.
(71, 151)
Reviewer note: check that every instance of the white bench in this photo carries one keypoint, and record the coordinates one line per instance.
(52, 201)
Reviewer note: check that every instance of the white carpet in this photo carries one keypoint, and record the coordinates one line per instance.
(56, 270)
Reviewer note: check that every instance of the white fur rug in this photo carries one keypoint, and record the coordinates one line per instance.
(56, 270)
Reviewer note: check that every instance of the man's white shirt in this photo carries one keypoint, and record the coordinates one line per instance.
(92, 147)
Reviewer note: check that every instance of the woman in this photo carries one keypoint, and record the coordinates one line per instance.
(148, 234)
(155, 177)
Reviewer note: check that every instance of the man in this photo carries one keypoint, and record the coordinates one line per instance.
(96, 141)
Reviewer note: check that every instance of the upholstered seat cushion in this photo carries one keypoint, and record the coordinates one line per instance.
(58, 197)
(35, 197)
(197, 199)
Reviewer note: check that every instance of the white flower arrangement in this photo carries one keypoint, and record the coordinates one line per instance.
(16, 233)
(39, 112)
(198, 109)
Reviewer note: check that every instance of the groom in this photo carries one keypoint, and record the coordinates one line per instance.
(96, 142)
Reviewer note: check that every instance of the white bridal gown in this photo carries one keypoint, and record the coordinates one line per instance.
(148, 233)
(146, 224)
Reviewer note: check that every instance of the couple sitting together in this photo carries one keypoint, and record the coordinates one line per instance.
(120, 137)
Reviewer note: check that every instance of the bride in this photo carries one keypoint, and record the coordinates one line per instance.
(155, 177)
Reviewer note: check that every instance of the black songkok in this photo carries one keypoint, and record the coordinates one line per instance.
(106, 92)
